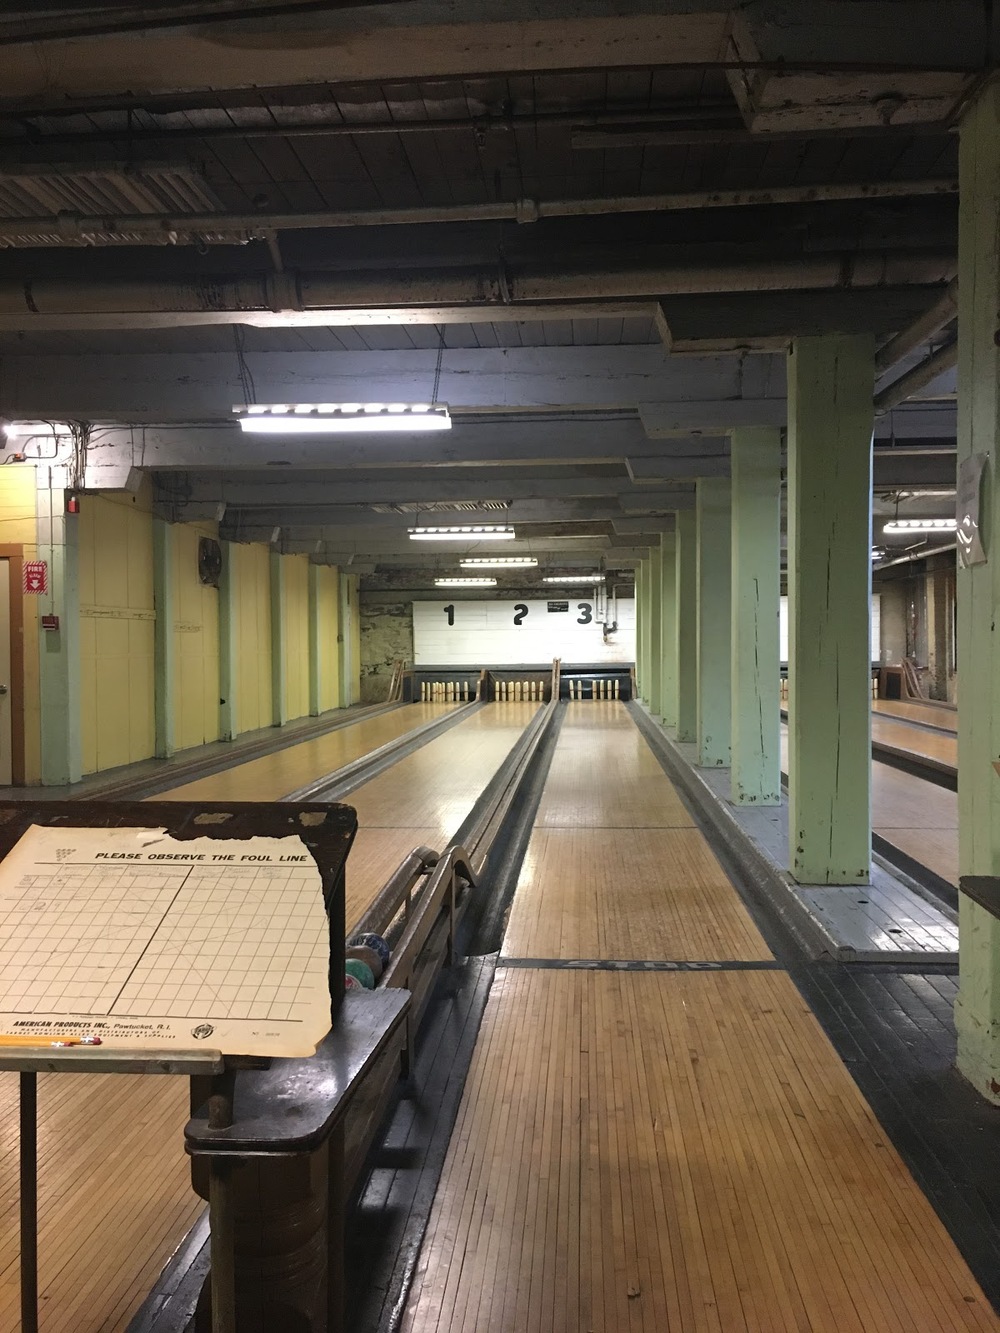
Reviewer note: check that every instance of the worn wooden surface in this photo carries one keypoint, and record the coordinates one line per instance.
(675, 1151)
(115, 1195)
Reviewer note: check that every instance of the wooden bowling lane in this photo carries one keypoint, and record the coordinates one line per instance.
(916, 740)
(675, 1151)
(627, 894)
(425, 797)
(273, 776)
(115, 1197)
(604, 775)
(615, 868)
(932, 715)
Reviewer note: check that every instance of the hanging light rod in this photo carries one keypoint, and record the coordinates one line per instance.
(919, 525)
(499, 561)
(342, 418)
(466, 532)
(465, 583)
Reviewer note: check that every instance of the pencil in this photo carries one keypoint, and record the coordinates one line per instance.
(48, 1039)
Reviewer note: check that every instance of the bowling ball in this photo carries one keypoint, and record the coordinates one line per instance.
(352, 983)
(354, 967)
(375, 942)
(366, 954)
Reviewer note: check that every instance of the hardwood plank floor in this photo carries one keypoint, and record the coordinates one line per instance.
(627, 893)
(675, 1152)
(931, 714)
(115, 1195)
(273, 776)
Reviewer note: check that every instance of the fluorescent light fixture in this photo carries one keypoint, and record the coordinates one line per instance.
(920, 525)
(466, 532)
(342, 418)
(573, 578)
(498, 562)
(465, 583)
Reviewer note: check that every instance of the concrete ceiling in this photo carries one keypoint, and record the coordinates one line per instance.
(593, 234)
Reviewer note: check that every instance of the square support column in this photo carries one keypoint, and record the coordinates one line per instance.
(228, 672)
(668, 629)
(639, 629)
(654, 617)
(59, 650)
(830, 420)
(756, 578)
(646, 637)
(686, 641)
(164, 701)
(713, 512)
(977, 1010)
(314, 644)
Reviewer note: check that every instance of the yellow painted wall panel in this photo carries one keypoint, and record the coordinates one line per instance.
(253, 637)
(295, 571)
(117, 628)
(18, 527)
(196, 641)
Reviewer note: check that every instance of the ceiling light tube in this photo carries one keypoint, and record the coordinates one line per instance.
(342, 418)
(573, 578)
(464, 532)
(919, 525)
(465, 583)
(499, 561)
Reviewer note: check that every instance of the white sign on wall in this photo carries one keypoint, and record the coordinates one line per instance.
(457, 633)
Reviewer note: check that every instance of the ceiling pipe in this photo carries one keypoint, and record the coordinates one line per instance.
(914, 380)
(185, 229)
(932, 321)
(292, 291)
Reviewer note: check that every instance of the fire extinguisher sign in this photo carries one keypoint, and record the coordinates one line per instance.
(36, 577)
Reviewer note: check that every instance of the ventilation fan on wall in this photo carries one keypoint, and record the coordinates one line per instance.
(209, 561)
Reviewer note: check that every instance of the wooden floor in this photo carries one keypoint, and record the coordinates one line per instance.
(918, 741)
(273, 776)
(931, 715)
(116, 1198)
(671, 1151)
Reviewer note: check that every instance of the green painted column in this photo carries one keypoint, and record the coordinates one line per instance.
(713, 512)
(830, 419)
(654, 613)
(164, 700)
(278, 710)
(977, 1010)
(756, 581)
(668, 629)
(228, 672)
(314, 646)
(638, 629)
(686, 571)
(59, 650)
(646, 640)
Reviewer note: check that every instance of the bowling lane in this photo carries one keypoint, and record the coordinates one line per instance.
(275, 775)
(666, 1145)
(425, 797)
(931, 715)
(615, 868)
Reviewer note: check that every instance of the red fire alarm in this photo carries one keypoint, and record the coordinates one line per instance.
(50, 622)
(72, 502)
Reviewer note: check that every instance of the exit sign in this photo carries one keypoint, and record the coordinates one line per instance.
(36, 577)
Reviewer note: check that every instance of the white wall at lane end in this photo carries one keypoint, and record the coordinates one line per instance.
(518, 633)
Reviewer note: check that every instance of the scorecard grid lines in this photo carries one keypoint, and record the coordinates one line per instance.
(108, 940)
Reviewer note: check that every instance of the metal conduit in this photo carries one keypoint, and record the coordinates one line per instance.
(162, 228)
(458, 287)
